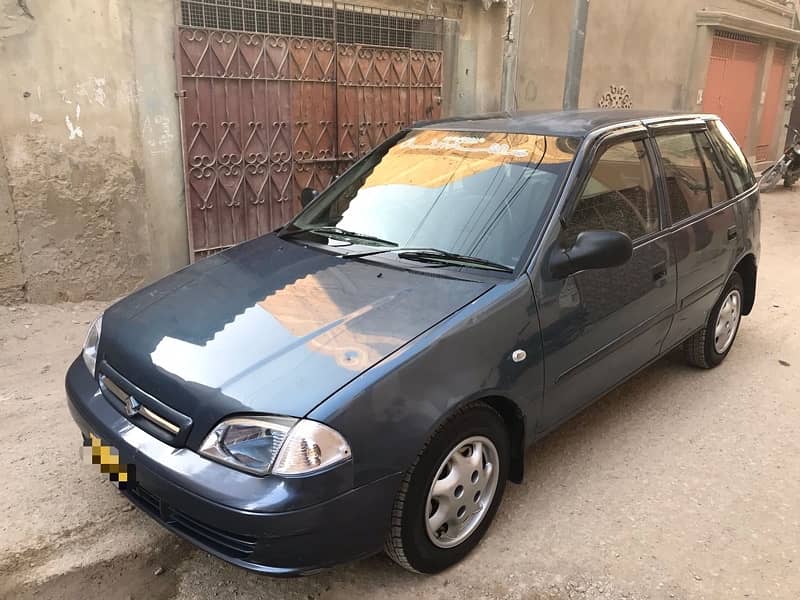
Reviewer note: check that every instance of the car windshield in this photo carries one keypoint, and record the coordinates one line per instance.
(474, 194)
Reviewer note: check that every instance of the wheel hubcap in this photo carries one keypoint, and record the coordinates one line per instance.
(462, 491)
(728, 321)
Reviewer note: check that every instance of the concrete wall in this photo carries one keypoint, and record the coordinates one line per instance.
(477, 59)
(654, 49)
(92, 185)
(648, 47)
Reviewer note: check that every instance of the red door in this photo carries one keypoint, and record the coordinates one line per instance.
(731, 83)
(773, 101)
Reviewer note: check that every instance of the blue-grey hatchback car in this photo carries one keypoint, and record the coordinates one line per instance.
(368, 376)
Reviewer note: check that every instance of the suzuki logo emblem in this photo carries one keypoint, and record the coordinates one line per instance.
(132, 406)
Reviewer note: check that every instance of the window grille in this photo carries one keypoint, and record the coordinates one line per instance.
(739, 37)
(345, 23)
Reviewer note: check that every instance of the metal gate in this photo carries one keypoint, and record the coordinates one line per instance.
(773, 103)
(277, 95)
(731, 82)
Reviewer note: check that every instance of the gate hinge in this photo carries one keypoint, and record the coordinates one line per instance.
(180, 94)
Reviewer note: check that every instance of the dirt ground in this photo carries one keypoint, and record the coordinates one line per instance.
(681, 484)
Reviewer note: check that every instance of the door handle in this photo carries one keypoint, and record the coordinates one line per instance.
(660, 273)
(732, 233)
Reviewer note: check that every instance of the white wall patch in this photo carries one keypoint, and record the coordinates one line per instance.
(74, 130)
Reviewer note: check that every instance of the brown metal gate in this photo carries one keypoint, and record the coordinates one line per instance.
(731, 82)
(276, 96)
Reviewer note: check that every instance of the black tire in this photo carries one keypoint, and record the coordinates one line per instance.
(700, 349)
(407, 542)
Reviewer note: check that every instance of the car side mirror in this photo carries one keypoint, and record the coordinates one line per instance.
(307, 196)
(592, 250)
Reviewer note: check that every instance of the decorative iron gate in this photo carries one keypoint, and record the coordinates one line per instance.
(280, 95)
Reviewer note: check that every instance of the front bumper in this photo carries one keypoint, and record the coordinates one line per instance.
(246, 520)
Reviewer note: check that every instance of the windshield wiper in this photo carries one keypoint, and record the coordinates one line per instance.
(436, 256)
(338, 232)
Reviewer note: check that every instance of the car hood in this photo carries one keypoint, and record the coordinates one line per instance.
(271, 327)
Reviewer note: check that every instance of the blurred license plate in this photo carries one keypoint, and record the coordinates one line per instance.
(97, 452)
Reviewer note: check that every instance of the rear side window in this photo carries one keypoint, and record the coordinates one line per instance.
(715, 172)
(733, 158)
(685, 174)
(619, 194)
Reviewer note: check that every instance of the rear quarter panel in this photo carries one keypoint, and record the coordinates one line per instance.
(748, 214)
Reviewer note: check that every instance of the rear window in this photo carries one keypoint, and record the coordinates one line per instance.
(741, 175)
(715, 170)
(685, 175)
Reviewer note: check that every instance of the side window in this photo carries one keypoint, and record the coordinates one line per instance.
(684, 172)
(733, 158)
(714, 170)
(619, 194)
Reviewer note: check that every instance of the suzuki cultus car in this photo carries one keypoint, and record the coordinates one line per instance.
(369, 376)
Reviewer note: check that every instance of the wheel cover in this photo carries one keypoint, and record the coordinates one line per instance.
(730, 313)
(462, 491)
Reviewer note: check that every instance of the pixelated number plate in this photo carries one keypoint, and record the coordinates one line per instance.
(107, 457)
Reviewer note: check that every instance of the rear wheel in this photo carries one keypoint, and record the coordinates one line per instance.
(448, 498)
(709, 347)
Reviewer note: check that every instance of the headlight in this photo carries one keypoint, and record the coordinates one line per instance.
(90, 345)
(281, 445)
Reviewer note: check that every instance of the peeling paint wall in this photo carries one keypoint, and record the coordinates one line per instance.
(12, 281)
(91, 195)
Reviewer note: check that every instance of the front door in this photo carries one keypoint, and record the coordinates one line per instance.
(600, 326)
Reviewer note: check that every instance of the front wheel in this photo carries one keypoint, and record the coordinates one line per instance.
(448, 498)
(709, 347)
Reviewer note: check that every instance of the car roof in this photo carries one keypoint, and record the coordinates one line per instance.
(569, 123)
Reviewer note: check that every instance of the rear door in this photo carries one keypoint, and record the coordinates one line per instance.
(600, 326)
(703, 224)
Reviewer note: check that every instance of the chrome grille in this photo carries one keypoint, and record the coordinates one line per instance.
(130, 409)
(141, 408)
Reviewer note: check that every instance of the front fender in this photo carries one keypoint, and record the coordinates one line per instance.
(388, 413)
